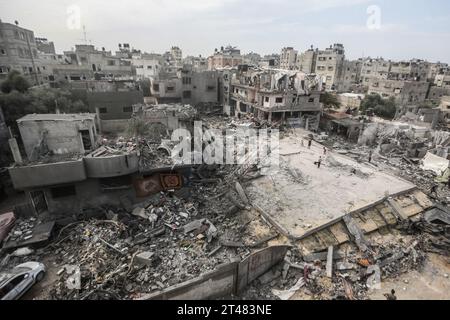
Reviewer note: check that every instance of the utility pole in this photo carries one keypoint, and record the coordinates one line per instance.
(32, 59)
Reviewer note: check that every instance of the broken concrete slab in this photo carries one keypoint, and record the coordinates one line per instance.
(144, 258)
(342, 266)
(322, 256)
(269, 276)
(329, 267)
(140, 212)
(22, 252)
(241, 192)
(328, 193)
(287, 294)
(356, 232)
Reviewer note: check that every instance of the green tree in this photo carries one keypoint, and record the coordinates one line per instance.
(16, 104)
(384, 108)
(15, 81)
(330, 100)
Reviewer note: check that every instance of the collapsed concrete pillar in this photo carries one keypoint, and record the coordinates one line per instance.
(15, 150)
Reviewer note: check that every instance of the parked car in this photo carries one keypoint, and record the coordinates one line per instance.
(16, 282)
(6, 223)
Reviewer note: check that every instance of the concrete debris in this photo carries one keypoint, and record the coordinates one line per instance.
(329, 268)
(144, 258)
(73, 281)
(175, 235)
(22, 252)
(287, 294)
(269, 276)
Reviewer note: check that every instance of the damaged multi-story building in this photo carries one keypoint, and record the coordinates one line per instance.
(329, 64)
(19, 51)
(405, 92)
(187, 86)
(147, 65)
(57, 175)
(288, 58)
(225, 57)
(276, 96)
(68, 170)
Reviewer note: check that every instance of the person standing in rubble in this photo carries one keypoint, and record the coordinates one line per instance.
(324, 150)
(318, 163)
(433, 190)
(370, 156)
(309, 143)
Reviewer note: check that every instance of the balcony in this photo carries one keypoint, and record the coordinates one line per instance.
(111, 166)
(38, 175)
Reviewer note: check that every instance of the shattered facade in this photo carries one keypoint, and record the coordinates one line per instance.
(404, 92)
(276, 96)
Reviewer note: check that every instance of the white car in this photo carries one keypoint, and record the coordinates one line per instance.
(16, 282)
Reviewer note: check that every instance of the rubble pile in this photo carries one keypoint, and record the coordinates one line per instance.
(159, 245)
(22, 230)
(433, 229)
(350, 274)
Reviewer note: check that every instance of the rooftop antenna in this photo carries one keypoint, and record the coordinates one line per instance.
(85, 39)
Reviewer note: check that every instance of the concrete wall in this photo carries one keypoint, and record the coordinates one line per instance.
(102, 167)
(89, 194)
(61, 137)
(211, 285)
(110, 105)
(113, 126)
(228, 279)
(47, 174)
(259, 263)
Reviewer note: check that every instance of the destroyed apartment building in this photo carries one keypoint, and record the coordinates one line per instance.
(276, 96)
(69, 168)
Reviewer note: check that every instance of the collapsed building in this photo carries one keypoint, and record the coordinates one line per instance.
(276, 96)
(69, 169)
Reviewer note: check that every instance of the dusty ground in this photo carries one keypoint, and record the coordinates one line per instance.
(431, 283)
(301, 196)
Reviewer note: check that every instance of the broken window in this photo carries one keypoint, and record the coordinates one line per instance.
(127, 109)
(156, 87)
(187, 80)
(279, 100)
(2, 51)
(39, 202)
(311, 100)
(86, 139)
(102, 110)
(62, 192)
(170, 89)
(266, 99)
(186, 94)
(115, 183)
(210, 88)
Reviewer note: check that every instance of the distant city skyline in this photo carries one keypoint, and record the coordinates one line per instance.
(406, 29)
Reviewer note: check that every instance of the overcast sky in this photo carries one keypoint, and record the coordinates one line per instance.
(407, 29)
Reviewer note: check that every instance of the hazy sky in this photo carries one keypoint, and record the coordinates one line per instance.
(408, 28)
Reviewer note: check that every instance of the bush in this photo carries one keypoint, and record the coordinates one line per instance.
(384, 108)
